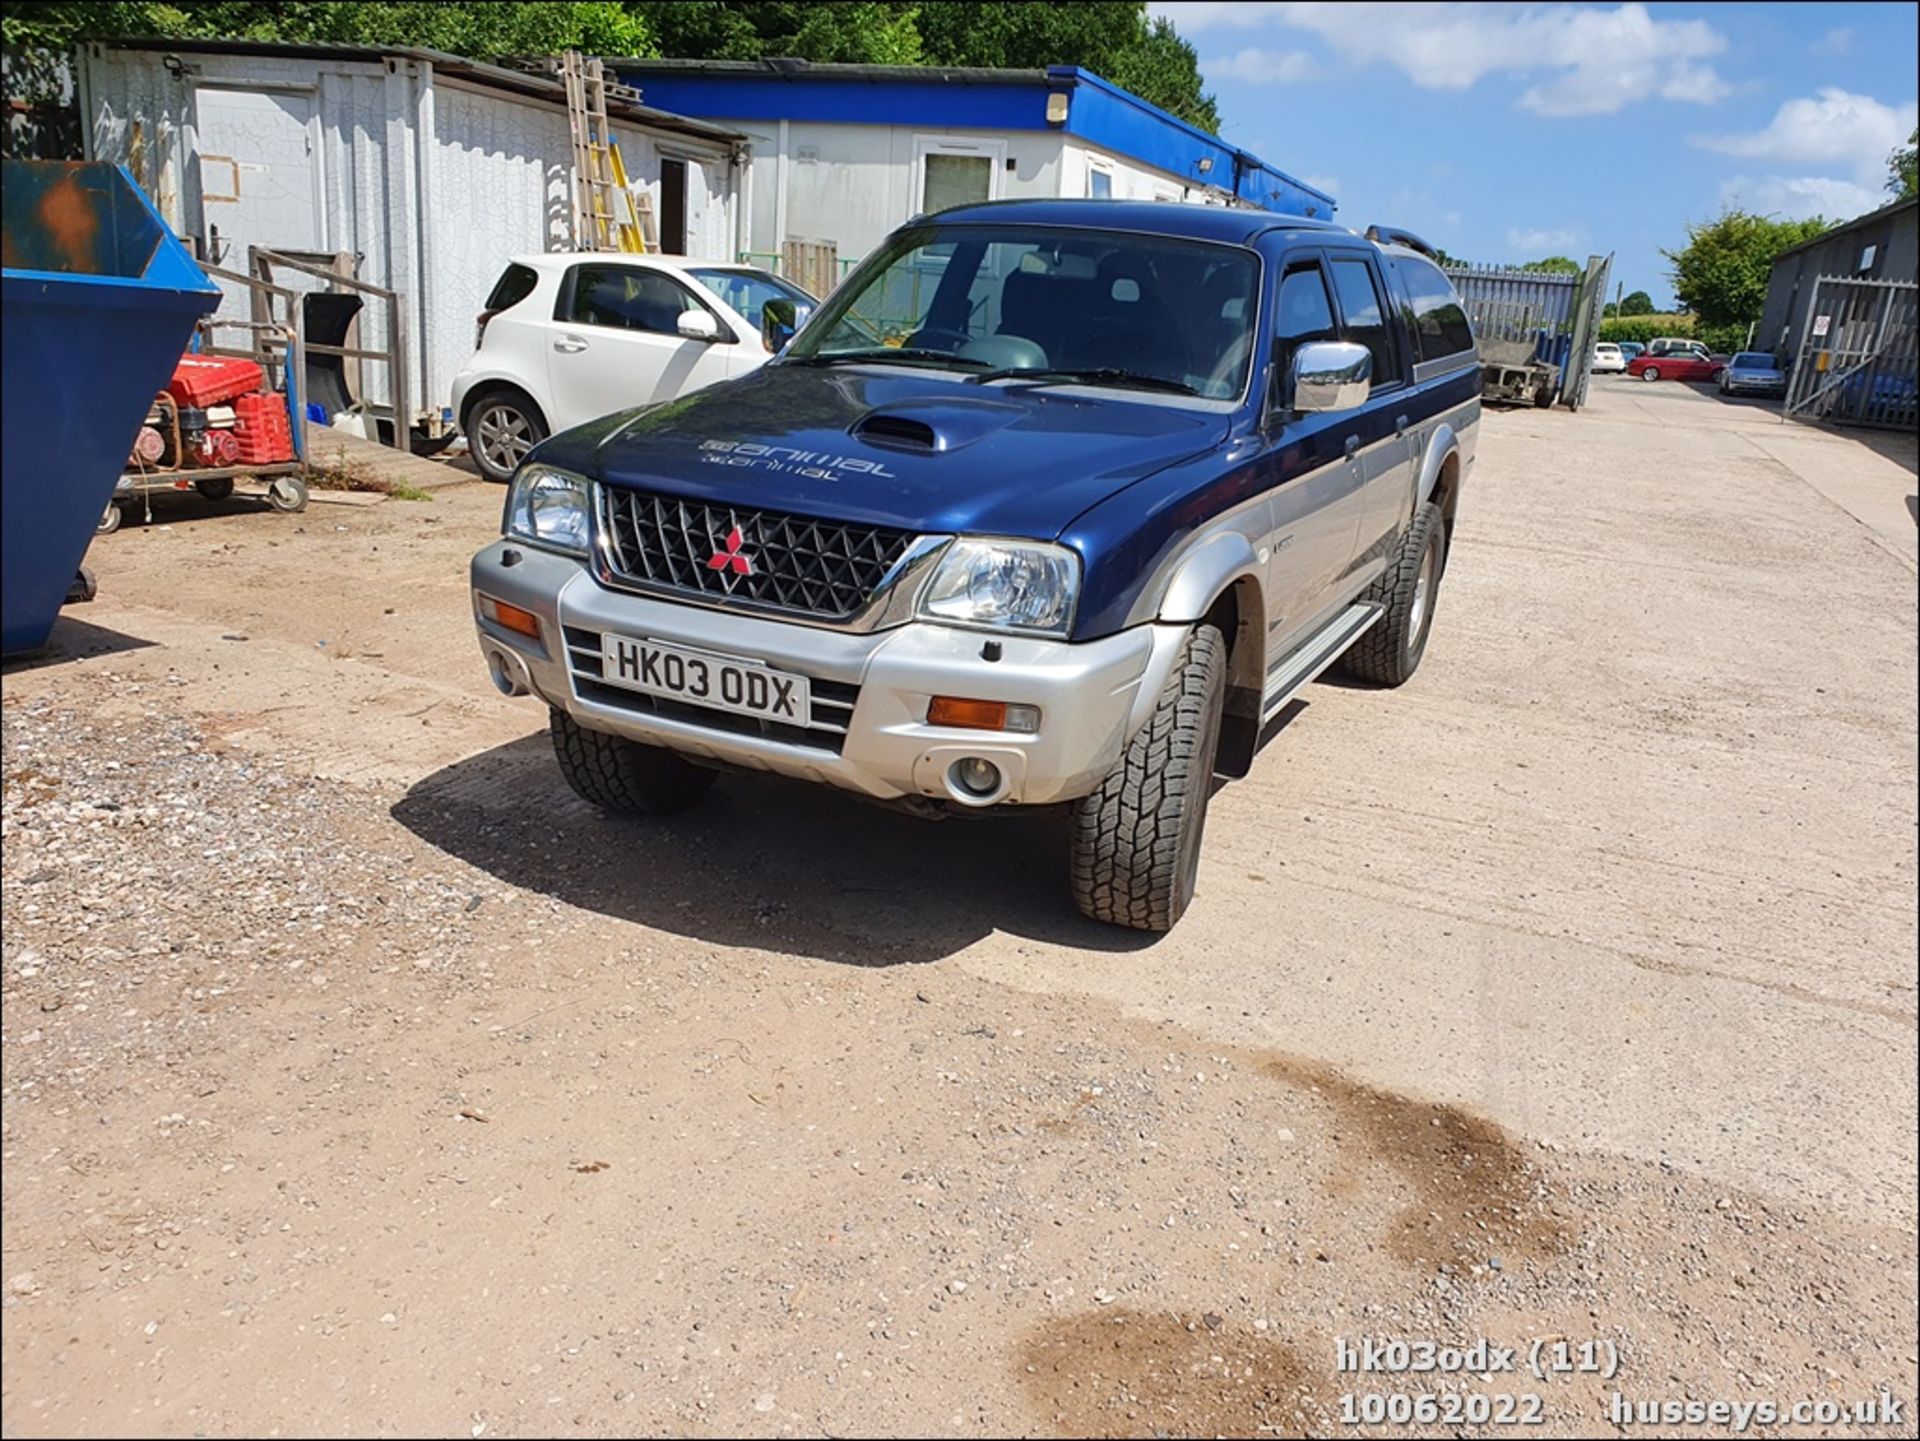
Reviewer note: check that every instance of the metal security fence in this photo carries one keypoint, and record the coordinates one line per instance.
(1859, 361)
(1556, 314)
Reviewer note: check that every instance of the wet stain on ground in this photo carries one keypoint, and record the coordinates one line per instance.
(1472, 1194)
(1121, 1372)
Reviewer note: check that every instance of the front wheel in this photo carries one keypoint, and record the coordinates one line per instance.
(1136, 840)
(1652, 372)
(110, 519)
(1389, 653)
(617, 774)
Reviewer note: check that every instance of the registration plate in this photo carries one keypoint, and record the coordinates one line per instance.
(704, 679)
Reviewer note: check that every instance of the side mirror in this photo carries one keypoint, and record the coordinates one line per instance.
(778, 321)
(698, 325)
(1331, 375)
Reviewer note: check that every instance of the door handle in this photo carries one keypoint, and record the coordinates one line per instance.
(568, 344)
(1353, 444)
(1400, 424)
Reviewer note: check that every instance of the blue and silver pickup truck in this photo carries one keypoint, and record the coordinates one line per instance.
(1051, 503)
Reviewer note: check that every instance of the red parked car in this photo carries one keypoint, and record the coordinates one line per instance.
(1693, 362)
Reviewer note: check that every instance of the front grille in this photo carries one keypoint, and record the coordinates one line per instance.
(831, 705)
(823, 568)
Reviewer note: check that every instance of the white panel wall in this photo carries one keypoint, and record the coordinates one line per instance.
(434, 182)
(853, 184)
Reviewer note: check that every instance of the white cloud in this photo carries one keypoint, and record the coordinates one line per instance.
(1796, 197)
(1282, 67)
(1834, 127)
(1594, 61)
(1537, 244)
(1327, 184)
(1837, 41)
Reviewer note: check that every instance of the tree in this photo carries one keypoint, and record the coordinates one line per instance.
(1609, 311)
(858, 32)
(1721, 273)
(481, 31)
(1556, 265)
(1638, 302)
(1903, 168)
(1112, 38)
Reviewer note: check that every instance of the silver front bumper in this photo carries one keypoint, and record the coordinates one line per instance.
(868, 730)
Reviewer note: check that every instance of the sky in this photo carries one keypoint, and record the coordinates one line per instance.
(1514, 132)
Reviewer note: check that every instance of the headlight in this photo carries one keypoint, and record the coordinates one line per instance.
(1010, 584)
(549, 507)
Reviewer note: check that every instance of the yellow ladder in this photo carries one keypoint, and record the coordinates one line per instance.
(602, 205)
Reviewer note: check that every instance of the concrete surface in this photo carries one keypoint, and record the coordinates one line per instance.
(1602, 929)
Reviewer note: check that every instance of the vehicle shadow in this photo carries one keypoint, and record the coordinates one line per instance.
(763, 862)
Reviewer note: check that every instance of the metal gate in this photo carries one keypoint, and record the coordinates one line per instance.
(1556, 314)
(1858, 362)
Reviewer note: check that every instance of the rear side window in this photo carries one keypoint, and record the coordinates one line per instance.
(1366, 320)
(621, 297)
(1440, 322)
(515, 284)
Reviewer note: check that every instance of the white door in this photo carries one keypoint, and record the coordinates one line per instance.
(259, 172)
(619, 344)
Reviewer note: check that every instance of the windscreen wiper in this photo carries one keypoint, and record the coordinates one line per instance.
(1093, 375)
(888, 355)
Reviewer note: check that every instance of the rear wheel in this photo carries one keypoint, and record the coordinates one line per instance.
(1136, 840)
(617, 774)
(216, 489)
(1652, 372)
(110, 519)
(1389, 653)
(502, 426)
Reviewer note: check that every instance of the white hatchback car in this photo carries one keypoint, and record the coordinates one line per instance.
(567, 338)
(1608, 359)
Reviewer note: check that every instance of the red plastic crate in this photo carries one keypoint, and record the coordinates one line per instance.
(204, 380)
(261, 428)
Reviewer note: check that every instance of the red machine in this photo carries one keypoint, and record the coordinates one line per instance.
(260, 426)
(204, 380)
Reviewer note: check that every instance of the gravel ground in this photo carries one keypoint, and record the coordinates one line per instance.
(357, 1080)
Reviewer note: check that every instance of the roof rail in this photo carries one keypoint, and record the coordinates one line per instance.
(1392, 235)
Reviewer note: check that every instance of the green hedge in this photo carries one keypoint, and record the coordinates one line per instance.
(1720, 339)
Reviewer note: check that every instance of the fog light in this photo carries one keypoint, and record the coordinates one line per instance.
(976, 775)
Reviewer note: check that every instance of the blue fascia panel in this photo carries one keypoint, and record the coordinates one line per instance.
(1103, 114)
(1100, 113)
(847, 102)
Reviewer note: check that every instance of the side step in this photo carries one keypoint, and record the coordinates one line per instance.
(1306, 661)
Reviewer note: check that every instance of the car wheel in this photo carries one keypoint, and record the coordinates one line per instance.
(1136, 839)
(110, 519)
(1652, 372)
(620, 775)
(502, 426)
(1390, 651)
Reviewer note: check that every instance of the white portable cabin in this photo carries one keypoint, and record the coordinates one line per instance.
(845, 153)
(431, 169)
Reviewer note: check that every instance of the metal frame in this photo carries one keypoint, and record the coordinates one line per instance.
(1870, 339)
(262, 259)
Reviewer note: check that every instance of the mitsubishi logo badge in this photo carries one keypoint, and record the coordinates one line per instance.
(730, 557)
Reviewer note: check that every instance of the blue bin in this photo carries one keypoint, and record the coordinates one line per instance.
(99, 301)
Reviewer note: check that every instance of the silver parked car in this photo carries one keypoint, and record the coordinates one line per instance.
(1753, 372)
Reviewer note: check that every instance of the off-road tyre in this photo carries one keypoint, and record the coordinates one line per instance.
(1136, 839)
(620, 775)
(1389, 653)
